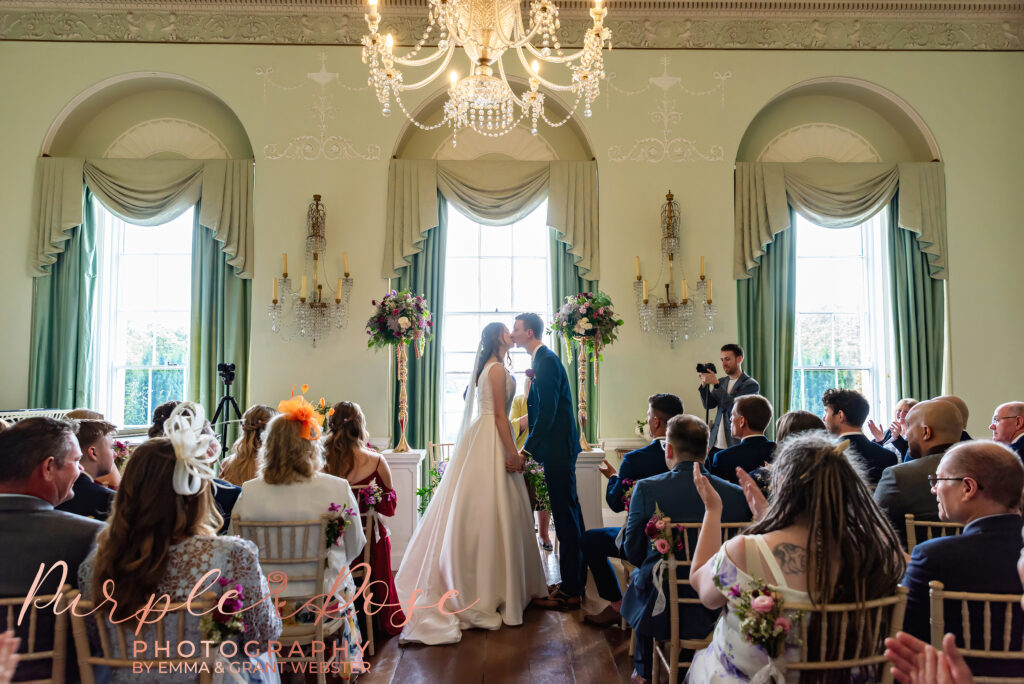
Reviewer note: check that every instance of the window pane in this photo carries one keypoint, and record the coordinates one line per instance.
(852, 379)
(816, 382)
(463, 235)
(850, 340)
(174, 283)
(138, 343)
(530, 287)
(462, 285)
(796, 393)
(531, 238)
(137, 284)
(496, 284)
(136, 397)
(521, 360)
(459, 363)
(495, 241)
(169, 385)
(817, 241)
(171, 346)
(815, 339)
(829, 285)
(461, 333)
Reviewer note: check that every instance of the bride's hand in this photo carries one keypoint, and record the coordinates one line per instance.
(513, 463)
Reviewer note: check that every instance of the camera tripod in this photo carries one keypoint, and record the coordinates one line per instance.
(226, 404)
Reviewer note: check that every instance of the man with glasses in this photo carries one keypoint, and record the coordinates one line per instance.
(932, 427)
(1008, 426)
(977, 484)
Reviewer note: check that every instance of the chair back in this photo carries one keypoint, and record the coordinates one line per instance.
(439, 452)
(985, 613)
(33, 649)
(923, 530)
(117, 642)
(369, 521)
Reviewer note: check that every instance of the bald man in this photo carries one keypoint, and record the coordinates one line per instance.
(932, 427)
(965, 413)
(977, 484)
(1008, 426)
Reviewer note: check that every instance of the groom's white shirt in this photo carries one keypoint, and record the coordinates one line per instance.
(534, 352)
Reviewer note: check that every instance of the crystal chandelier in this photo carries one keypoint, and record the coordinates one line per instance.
(670, 317)
(485, 29)
(310, 314)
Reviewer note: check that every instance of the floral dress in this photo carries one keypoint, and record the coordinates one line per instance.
(390, 618)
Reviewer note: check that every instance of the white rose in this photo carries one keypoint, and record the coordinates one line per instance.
(404, 323)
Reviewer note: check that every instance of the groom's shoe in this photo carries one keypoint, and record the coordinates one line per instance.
(558, 600)
(635, 678)
(606, 618)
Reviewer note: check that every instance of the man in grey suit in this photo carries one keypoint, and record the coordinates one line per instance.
(39, 464)
(932, 427)
(720, 393)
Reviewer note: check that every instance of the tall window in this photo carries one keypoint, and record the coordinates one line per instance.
(144, 315)
(843, 320)
(491, 274)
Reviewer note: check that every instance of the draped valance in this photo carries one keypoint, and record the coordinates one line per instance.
(837, 195)
(148, 192)
(492, 193)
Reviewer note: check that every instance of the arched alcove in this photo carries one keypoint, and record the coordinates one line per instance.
(147, 116)
(837, 119)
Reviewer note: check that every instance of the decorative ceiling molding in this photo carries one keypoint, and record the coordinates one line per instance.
(517, 144)
(177, 136)
(640, 24)
(819, 141)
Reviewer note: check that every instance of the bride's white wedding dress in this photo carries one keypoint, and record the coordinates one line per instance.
(476, 537)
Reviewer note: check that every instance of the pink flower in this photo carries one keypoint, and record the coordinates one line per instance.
(762, 604)
(734, 591)
(600, 310)
(662, 546)
(784, 624)
(660, 524)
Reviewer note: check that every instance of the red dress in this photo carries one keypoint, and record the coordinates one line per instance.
(390, 618)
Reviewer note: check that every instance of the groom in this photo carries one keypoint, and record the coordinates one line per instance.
(554, 443)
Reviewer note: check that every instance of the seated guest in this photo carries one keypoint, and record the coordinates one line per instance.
(883, 438)
(91, 499)
(845, 413)
(675, 495)
(795, 422)
(244, 462)
(932, 427)
(751, 414)
(965, 413)
(83, 414)
(1008, 426)
(162, 539)
(39, 464)
(977, 484)
(291, 487)
(821, 540)
(225, 494)
(600, 544)
(349, 458)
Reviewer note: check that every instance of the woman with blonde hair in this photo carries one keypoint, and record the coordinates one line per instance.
(349, 457)
(290, 488)
(161, 538)
(244, 462)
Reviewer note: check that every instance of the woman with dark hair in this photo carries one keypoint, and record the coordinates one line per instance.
(795, 422)
(821, 540)
(349, 458)
(161, 538)
(476, 536)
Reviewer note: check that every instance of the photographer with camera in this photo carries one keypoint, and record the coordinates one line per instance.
(720, 392)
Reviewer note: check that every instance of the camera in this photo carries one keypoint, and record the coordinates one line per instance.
(227, 372)
(707, 368)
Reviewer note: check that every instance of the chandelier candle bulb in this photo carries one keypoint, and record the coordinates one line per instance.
(709, 290)
(645, 291)
(285, 258)
(702, 268)
(638, 276)
(344, 261)
(337, 292)
(302, 293)
(275, 290)
(389, 41)
(671, 270)
(685, 297)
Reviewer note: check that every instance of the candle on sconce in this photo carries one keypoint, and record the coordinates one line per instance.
(344, 260)
(337, 294)
(645, 292)
(702, 268)
(275, 290)
(685, 297)
(302, 294)
(709, 290)
(284, 257)
(671, 274)
(638, 276)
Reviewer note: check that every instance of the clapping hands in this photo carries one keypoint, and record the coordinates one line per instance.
(876, 430)
(708, 494)
(8, 656)
(915, 662)
(756, 501)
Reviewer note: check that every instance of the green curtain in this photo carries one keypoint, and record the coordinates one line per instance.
(565, 281)
(62, 355)
(219, 330)
(766, 304)
(424, 275)
(918, 314)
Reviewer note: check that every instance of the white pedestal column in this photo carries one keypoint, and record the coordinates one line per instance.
(405, 476)
(588, 486)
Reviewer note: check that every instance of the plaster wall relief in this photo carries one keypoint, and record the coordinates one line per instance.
(176, 136)
(819, 140)
(322, 144)
(668, 145)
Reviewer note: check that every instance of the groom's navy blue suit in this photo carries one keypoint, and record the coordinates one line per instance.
(554, 443)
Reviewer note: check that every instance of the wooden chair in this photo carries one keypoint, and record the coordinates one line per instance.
(31, 649)
(369, 523)
(288, 544)
(983, 603)
(117, 641)
(439, 452)
(930, 528)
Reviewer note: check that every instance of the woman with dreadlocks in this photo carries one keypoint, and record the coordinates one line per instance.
(821, 540)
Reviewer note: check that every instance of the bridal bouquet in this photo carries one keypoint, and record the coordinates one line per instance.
(398, 318)
(219, 627)
(339, 520)
(534, 474)
(426, 493)
(759, 609)
(589, 316)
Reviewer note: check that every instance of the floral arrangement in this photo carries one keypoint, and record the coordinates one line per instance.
(426, 493)
(323, 409)
(398, 318)
(534, 474)
(589, 316)
(219, 627)
(339, 520)
(627, 491)
(665, 537)
(121, 454)
(641, 427)
(760, 612)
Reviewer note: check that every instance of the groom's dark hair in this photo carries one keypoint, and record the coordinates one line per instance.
(532, 321)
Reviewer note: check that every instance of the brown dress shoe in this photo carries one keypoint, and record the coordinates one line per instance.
(558, 600)
(606, 618)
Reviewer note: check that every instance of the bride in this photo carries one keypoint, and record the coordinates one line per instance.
(476, 536)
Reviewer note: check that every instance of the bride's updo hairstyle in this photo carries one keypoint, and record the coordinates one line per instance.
(490, 344)
(348, 434)
(148, 516)
(812, 477)
(287, 456)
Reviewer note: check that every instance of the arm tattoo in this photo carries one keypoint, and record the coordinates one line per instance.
(792, 558)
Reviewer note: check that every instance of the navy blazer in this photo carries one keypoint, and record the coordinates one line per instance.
(719, 396)
(993, 544)
(554, 440)
(636, 465)
(676, 496)
(875, 458)
(91, 499)
(225, 495)
(1018, 447)
(750, 454)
